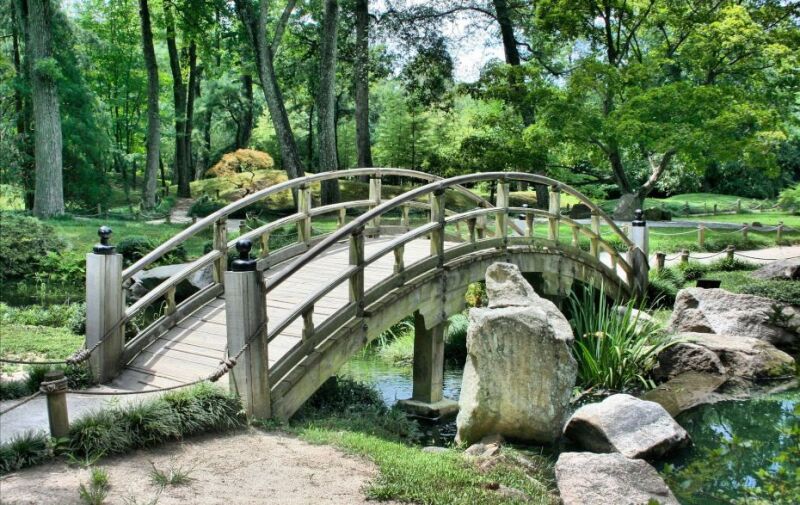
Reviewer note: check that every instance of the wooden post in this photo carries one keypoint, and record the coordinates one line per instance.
(480, 226)
(745, 229)
(502, 217)
(375, 198)
(738, 205)
(242, 227)
(357, 279)
(555, 213)
(246, 323)
(399, 261)
(661, 259)
(170, 299)
(471, 222)
(529, 222)
(55, 387)
(575, 237)
(105, 308)
(308, 322)
(730, 251)
(264, 244)
(684, 256)
(594, 247)
(701, 235)
(428, 361)
(342, 218)
(715, 209)
(779, 233)
(405, 220)
(194, 219)
(304, 208)
(221, 245)
(437, 235)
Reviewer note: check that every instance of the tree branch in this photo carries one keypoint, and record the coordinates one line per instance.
(281, 26)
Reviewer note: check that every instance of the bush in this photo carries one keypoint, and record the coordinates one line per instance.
(241, 160)
(789, 198)
(663, 287)
(135, 247)
(614, 349)
(205, 206)
(341, 394)
(455, 338)
(781, 291)
(693, 270)
(732, 265)
(24, 244)
(36, 315)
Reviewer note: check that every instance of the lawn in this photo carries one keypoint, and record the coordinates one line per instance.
(765, 218)
(27, 342)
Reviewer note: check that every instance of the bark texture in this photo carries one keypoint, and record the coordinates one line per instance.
(179, 98)
(49, 188)
(361, 84)
(326, 102)
(153, 118)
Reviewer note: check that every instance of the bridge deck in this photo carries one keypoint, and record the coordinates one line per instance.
(194, 347)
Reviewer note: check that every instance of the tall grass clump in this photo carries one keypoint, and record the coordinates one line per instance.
(28, 449)
(615, 348)
(173, 416)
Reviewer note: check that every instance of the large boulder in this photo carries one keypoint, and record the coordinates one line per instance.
(625, 424)
(744, 357)
(147, 280)
(519, 372)
(626, 207)
(609, 479)
(580, 211)
(656, 214)
(718, 311)
(786, 269)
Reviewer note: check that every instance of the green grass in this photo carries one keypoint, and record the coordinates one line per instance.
(765, 218)
(96, 491)
(172, 476)
(21, 341)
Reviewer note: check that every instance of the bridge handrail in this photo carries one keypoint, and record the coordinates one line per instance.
(439, 185)
(290, 184)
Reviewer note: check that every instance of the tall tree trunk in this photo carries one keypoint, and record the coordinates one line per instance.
(245, 127)
(22, 105)
(49, 190)
(326, 102)
(153, 118)
(203, 152)
(179, 97)
(310, 138)
(257, 30)
(512, 57)
(361, 84)
(191, 90)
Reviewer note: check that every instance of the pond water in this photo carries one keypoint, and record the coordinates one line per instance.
(742, 449)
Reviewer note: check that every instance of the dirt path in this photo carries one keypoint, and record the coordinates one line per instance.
(243, 468)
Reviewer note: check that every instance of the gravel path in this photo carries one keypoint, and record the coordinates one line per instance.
(252, 467)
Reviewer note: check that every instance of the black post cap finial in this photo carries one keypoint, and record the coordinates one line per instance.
(638, 218)
(104, 247)
(243, 263)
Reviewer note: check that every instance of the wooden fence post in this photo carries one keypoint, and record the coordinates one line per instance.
(594, 243)
(745, 229)
(730, 251)
(555, 213)
(55, 387)
(779, 233)
(437, 235)
(701, 235)
(246, 323)
(685, 256)
(661, 259)
(105, 308)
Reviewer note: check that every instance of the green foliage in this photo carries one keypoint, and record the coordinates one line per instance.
(27, 449)
(175, 415)
(37, 315)
(205, 206)
(782, 291)
(134, 247)
(97, 490)
(173, 476)
(25, 243)
(340, 395)
(615, 350)
(789, 198)
(455, 338)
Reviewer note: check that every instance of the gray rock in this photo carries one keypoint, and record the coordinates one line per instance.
(506, 287)
(687, 390)
(580, 211)
(625, 424)
(786, 269)
(146, 280)
(626, 207)
(736, 356)
(519, 371)
(718, 311)
(609, 479)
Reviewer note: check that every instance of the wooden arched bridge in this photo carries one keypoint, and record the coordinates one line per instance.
(307, 307)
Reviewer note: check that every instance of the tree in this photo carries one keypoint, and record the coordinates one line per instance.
(256, 28)
(44, 72)
(326, 102)
(153, 118)
(361, 85)
(179, 99)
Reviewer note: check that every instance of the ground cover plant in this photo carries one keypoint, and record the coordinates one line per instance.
(119, 429)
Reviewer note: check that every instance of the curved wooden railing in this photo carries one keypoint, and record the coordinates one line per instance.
(217, 257)
(435, 229)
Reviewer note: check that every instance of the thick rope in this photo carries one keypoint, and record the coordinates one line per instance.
(20, 404)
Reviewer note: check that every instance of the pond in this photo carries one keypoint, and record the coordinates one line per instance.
(743, 450)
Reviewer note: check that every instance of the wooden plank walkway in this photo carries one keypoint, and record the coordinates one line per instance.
(194, 347)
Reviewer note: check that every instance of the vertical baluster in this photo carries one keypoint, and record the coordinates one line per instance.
(471, 222)
(170, 297)
(304, 208)
(555, 213)
(595, 241)
(342, 218)
(399, 261)
(221, 245)
(502, 216)
(575, 237)
(375, 198)
(437, 216)
(264, 244)
(357, 279)
(308, 323)
(405, 220)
